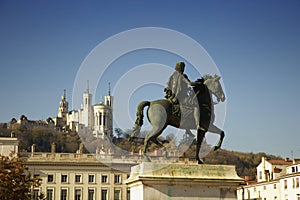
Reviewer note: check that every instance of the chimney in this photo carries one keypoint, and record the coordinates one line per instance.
(263, 161)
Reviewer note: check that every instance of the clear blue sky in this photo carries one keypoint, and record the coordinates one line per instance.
(255, 44)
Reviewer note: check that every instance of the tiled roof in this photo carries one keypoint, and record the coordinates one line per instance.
(280, 162)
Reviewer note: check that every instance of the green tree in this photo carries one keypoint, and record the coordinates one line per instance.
(16, 181)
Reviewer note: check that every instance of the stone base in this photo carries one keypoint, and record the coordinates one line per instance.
(152, 181)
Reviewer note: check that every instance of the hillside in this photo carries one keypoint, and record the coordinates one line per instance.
(245, 163)
(42, 138)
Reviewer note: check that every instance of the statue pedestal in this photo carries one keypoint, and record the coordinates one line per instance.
(152, 181)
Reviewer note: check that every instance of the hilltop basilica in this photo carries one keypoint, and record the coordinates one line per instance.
(96, 119)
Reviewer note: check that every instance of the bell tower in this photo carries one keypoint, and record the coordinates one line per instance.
(87, 109)
(108, 98)
(63, 107)
(87, 98)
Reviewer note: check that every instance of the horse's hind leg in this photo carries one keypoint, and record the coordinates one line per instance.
(214, 129)
(200, 136)
(152, 136)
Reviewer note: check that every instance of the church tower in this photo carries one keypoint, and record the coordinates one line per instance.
(63, 107)
(108, 98)
(87, 98)
(109, 106)
(103, 124)
(87, 109)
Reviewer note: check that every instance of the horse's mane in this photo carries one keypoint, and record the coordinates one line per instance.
(207, 76)
(204, 78)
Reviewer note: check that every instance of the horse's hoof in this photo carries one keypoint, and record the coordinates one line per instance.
(216, 148)
(200, 162)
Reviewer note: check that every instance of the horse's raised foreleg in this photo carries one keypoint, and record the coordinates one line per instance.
(200, 136)
(214, 129)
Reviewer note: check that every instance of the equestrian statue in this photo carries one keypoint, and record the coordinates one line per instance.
(183, 108)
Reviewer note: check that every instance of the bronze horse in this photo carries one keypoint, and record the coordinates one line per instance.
(160, 115)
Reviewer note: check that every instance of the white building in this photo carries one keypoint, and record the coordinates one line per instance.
(271, 169)
(289, 183)
(8, 145)
(95, 119)
(276, 179)
(78, 176)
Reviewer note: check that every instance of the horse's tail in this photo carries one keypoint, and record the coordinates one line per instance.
(139, 118)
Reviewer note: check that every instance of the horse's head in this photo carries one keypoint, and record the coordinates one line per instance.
(214, 86)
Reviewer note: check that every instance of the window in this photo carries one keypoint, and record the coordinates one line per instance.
(285, 184)
(117, 194)
(36, 175)
(91, 194)
(35, 194)
(63, 194)
(100, 121)
(104, 179)
(265, 187)
(49, 194)
(64, 178)
(275, 186)
(91, 178)
(78, 178)
(286, 197)
(50, 178)
(104, 194)
(297, 182)
(128, 194)
(297, 196)
(260, 175)
(117, 178)
(77, 194)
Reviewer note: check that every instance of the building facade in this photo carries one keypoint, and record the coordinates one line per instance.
(23, 121)
(80, 176)
(8, 145)
(289, 183)
(276, 179)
